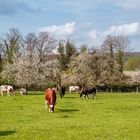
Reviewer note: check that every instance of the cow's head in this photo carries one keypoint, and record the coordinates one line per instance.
(51, 108)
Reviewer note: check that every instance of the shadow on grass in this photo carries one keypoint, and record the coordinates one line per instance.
(67, 110)
(5, 133)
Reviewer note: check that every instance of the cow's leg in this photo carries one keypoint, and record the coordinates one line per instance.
(87, 96)
(60, 95)
(81, 95)
(49, 109)
(21, 93)
(1, 93)
(94, 95)
(46, 104)
(63, 94)
(8, 93)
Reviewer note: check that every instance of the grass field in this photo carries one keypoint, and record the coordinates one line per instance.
(109, 117)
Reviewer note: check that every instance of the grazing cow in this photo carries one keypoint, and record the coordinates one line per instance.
(50, 99)
(74, 89)
(62, 90)
(6, 88)
(22, 91)
(85, 91)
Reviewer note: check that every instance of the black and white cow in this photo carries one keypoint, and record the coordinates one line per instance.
(88, 90)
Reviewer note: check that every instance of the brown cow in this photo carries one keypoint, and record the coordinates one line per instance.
(50, 99)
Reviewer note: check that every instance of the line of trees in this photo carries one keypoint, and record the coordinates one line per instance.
(31, 61)
(24, 60)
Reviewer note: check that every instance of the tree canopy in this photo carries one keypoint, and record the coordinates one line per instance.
(31, 60)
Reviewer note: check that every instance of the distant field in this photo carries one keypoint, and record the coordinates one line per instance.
(109, 117)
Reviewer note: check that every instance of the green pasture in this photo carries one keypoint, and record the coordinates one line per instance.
(109, 117)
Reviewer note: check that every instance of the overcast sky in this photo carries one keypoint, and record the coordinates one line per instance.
(83, 21)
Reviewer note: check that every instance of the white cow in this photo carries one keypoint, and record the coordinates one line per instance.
(74, 89)
(6, 88)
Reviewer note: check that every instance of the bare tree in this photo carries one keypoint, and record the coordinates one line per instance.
(108, 49)
(121, 43)
(10, 45)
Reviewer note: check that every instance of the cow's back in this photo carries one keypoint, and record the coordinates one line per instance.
(3, 87)
(10, 88)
